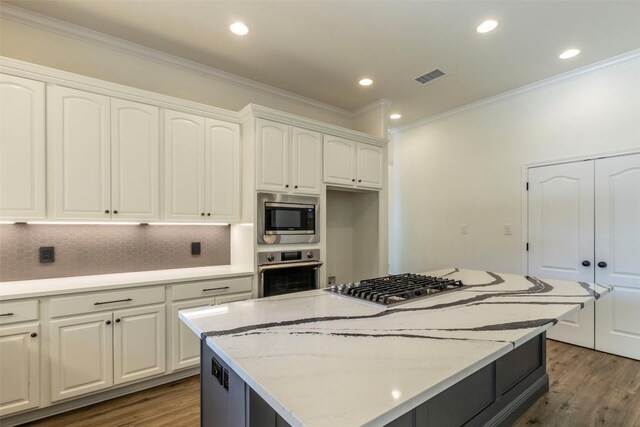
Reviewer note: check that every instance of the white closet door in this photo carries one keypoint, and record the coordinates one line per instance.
(184, 189)
(135, 160)
(22, 148)
(80, 156)
(618, 254)
(561, 222)
(222, 171)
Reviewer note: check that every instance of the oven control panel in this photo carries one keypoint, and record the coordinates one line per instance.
(265, 258)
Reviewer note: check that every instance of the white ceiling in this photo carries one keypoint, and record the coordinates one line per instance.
(320, 49)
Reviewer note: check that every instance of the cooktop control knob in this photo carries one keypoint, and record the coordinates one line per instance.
(309, 254)
(270, 257)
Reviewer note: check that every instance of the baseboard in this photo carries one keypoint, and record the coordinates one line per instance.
(58, 408)
(518, 406)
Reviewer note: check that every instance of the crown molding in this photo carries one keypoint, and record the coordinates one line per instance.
(54, 76)
(625, 57)
(261, 112)
(383, 103)
(87, 35)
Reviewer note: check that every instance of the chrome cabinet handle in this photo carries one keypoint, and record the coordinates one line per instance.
(215, 289)
(112, 302)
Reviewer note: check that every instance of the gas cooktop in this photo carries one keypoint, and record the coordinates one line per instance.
(397, 289)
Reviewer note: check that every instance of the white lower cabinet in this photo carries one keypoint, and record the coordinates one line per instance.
(186, 345)
(19, 367)
(96, 351)
(138, 343)
(88, 351)
(81, 355)
(185, 351)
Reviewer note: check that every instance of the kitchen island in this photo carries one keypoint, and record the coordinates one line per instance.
(474, 355)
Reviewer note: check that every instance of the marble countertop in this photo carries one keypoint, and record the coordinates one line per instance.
(320, 359)
(63, 285)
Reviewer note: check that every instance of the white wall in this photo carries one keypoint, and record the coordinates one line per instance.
(51, 49)
(466, 168)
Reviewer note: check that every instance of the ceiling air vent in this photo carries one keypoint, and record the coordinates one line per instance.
(426, 78)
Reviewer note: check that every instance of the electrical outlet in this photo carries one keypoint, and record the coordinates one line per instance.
(196, 248)
(216, 370)
(47, 254)
(508, 229)
(332, 280)
(225, 379)
(464, 228)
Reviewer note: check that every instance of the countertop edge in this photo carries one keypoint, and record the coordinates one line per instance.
(118, 282)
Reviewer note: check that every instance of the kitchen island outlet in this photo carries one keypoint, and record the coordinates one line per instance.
(474, 355)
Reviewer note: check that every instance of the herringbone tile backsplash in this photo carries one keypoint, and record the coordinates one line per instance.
(101, 249)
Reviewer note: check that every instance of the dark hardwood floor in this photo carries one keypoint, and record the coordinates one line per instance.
(588, 388)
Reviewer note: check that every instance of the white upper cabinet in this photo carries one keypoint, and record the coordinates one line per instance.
(184, 166)
(307, 161)
(80, 154)
(370, 165)
(353, 164)
(339, 161)
(288, 159)
(222, 148)
(22, 149)
(135, 157)
(202, 168)
(272, 161)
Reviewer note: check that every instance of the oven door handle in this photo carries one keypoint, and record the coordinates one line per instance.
(316, 264)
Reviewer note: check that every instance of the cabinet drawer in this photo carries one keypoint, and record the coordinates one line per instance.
(101, 301)
(18, 311)
(208, 288)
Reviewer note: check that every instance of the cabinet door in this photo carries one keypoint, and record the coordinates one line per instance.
(81, 354)
(19, 368)
(339, 161)
(22, 149)
(184, 166)
(135, 156)
(185, 348)
(222, 171)
(78, 126)
(307, 161)
(561, 237)
(618, 245)
(139, 343)
(272, 140)
(370, 166)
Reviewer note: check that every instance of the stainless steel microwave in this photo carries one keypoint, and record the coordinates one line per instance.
(287, 219)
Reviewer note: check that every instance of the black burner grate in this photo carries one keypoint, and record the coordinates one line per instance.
(396, 289)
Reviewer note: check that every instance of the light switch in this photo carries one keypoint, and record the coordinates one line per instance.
(508, 229)
(465, 228)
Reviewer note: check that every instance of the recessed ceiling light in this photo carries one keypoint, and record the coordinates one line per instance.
(395, 116)
(239, 29)
(366, 82)
(487, 26)
(569, 53)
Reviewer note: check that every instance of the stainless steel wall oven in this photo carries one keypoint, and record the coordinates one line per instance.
(287, 272)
